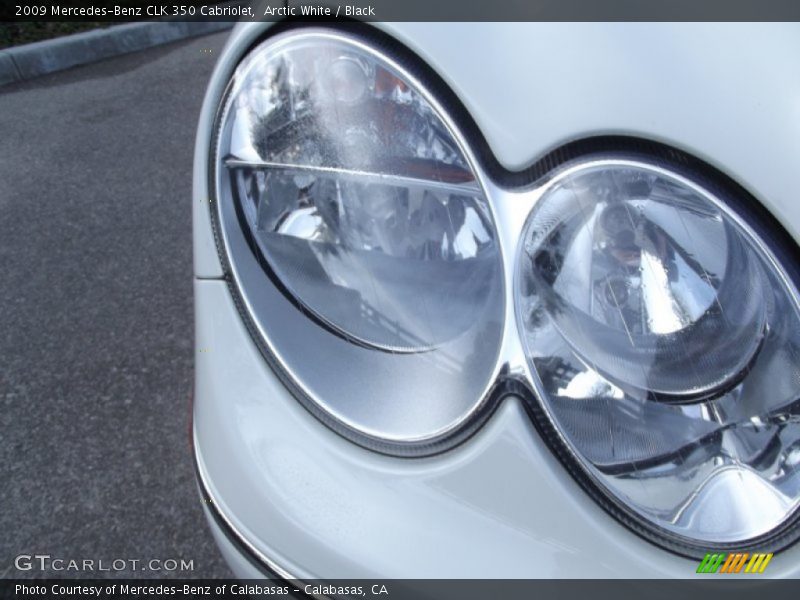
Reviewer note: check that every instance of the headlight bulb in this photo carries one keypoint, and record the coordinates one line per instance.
(663, 339)
(648, 289)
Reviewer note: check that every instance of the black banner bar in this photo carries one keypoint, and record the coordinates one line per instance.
(12, 11)
(706, 588)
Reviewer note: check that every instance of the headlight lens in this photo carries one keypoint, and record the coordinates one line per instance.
(355, 196)
(661, 335)
(664, 340)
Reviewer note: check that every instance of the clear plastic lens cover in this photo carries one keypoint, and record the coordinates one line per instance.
(664, 340)
(355, 195)
(358, 196)
(661, 335)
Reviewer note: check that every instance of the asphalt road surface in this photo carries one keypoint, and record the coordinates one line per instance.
(96, 327)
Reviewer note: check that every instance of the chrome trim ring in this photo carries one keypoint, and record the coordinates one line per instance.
(270, 315)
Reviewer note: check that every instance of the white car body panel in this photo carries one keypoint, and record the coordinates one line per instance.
(499, 505)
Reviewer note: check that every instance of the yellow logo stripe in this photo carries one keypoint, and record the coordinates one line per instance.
(758, 563)
(765, 563)
(734, 563)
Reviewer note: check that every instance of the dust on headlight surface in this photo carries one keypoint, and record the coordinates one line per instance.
(360, 200)
(359, 240)
(667, 349)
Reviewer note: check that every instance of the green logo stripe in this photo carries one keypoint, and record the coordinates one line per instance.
(711, 563)
(702, 567)
(733, 563)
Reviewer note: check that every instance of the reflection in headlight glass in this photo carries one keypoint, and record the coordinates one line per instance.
(666, 344)
(359, 199)
(359, 239)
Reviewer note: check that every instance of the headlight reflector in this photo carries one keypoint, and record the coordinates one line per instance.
(353, 193)
(664, 338)
(660, 333)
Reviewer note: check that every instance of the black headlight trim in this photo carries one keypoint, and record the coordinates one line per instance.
(780, 242)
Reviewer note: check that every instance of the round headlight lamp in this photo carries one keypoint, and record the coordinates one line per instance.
(340, 178)
(663, 338)
(660, 333)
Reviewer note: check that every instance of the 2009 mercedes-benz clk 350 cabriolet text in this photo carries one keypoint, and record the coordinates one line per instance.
(497, 299)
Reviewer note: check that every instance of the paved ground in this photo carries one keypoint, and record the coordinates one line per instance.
(96, 312)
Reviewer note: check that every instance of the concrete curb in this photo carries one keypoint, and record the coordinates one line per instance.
(32, 60)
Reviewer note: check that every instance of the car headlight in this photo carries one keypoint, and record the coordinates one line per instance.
(657, 336)
(339, 175)
(664, 340)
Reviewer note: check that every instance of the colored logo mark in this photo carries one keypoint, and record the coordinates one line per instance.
(733, 563)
